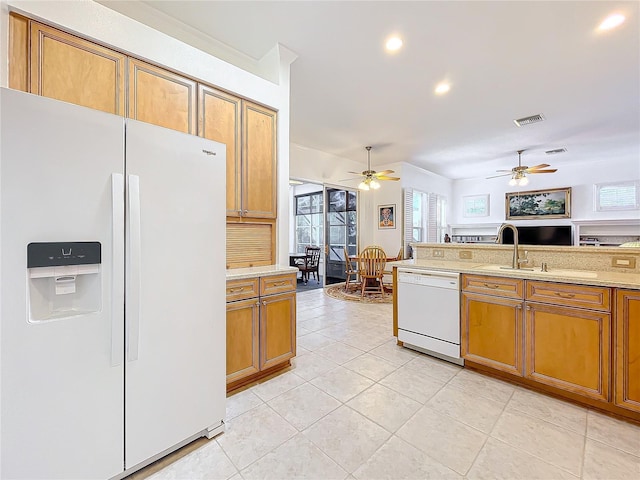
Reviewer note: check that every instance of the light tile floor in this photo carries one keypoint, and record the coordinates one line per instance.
(355, 405)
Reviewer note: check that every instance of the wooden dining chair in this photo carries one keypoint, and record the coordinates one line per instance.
(371, 262)
(350, 271)
(310, 265)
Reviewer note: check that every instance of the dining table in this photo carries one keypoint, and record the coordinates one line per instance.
(355, 259)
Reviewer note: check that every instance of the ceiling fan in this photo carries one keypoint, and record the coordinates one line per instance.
(371, 177)
(519, 173)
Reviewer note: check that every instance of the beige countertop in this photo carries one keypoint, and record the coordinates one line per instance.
(264, 271)
(580, 277)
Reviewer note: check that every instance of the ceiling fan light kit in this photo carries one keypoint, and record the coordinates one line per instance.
(519, 173)
(371, 177)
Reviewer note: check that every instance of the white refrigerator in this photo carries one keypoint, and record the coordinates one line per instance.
(112, 301)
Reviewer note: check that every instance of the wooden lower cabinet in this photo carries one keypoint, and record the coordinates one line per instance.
(277, 329)
(492, 331)
(261, 327)
(243, 327)
(561, 338)
(627, 354)
(568, 348)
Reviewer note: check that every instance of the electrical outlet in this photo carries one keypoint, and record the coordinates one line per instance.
(438, 252)
(623, 262)
(466, 254)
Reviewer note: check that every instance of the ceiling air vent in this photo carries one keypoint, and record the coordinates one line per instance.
(529, 120)
(557, 150)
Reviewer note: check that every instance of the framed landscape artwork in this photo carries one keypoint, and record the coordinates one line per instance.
(539, 204)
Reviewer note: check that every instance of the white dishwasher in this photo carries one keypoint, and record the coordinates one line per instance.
(429, 312)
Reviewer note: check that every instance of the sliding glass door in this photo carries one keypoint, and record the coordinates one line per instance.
(341, 223)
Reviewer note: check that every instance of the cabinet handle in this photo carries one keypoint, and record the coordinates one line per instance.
(239, 213)
(264, 302)
(278, 284)
(491, 286)
(518, 307)
(565, 295)
(232, 290)
(246, 211)
(257, 303)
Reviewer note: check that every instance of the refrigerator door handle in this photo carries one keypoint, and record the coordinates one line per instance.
(117, 270)
(132, 295)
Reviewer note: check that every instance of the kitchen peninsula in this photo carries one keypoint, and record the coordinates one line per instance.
(570, 329)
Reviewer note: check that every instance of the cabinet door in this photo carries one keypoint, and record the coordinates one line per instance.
(568, 348)
(627, 374)
(18, 52)
(73, 70)
(277, 329)
(161, 97)
(219, 120)
(492, 332)
(258, 161)
(242, 339)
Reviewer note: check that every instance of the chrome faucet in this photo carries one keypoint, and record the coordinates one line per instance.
(516, 261)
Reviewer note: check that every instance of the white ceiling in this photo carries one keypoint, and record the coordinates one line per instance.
(504, 60)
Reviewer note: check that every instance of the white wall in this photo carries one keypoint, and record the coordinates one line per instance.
(94, 21)
(580, 178)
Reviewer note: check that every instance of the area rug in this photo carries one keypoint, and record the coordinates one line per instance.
(337, 291)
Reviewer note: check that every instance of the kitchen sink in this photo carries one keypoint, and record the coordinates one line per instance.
(552, 272)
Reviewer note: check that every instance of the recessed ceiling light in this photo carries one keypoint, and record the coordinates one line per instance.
(442, 88)
(612, 21)
(393, 44)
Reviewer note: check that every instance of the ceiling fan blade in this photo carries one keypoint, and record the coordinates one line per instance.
(357, 173)
(542, 165)
(384, 172)
(384, 177)
(501, 175)
(504, 170)
(544, 171)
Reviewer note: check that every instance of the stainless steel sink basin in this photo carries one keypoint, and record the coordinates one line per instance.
(552, 272)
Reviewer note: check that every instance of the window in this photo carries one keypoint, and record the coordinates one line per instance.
(309, 231)
(425, 217)
(617, 196)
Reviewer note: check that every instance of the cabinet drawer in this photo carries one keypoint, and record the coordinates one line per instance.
(596, 298)
(498, 286)
(277, 284)
(242, 289)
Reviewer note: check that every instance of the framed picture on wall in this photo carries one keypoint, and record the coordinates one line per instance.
(539, 204)
(475, 205)
(386, 216)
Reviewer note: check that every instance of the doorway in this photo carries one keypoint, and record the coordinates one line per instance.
(341, 227)
(327, 216)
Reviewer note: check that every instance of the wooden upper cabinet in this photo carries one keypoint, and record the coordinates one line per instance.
(627, 355)
(219, 120)
(73, 70)
(258, 161)
(18, 52)
(161, 97)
